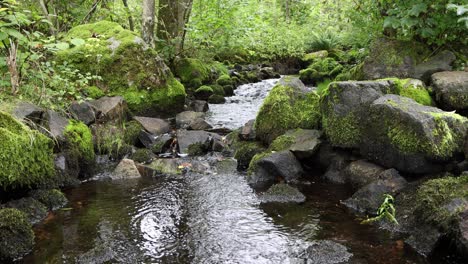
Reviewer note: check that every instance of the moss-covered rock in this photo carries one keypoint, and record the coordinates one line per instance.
(439, 201)
(52, 199)
(79, 148)
(224, 80)
(217, 89)
(288, 106)
(132, 131)
(245, 152)
(451, 90)
(311, 57)
(16, 234)
(109, 140)
(142, 155)
(123, 61)
(25, 155)
(194, 73)
(414, 89)
(320, 70)
(93, 92)
(216, 99)
(204, 92)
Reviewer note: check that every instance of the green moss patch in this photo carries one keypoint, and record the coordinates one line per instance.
(16, 234)
(320, 70)
(246, 151)
(52, 199)
(26, 156)
(413, 89)
(79, 137)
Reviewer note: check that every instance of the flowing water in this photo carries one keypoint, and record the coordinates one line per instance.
(210, 218)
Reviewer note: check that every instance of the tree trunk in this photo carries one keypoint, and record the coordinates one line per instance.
(45, 10)
(173, 16)
(129, 15)
(147, 25)
(13, 66)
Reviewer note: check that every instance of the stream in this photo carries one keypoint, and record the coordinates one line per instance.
(210, 218)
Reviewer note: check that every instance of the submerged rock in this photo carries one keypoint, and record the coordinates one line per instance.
(451, 89)
(326, 252)
(282, 193)
(125, 170)
(16, 234)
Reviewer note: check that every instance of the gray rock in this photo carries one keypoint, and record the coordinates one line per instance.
(326, 252)
(402, 134)
(247, 132)
(154, 126)
(282, 193)
(165, 166)
(125, 170)
(196, 137)
(162, 143)
(199, 106)
(423, 240)
(336, 170)
(306, 142)
(226, 166)
(147, 139)
(110, 109)
(28, 111)
(451, 89)
(360, 173)
(199, 124)
(438, 63)
(274, 168)
(185, 118)
(55, 124)
(461, 230)
(34, 210)
(369, 198)
(83, 112)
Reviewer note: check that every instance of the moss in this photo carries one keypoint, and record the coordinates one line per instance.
(322, 86)
(320, 70)
(224, 80)
(204, 92)
(132, 131)
(109, 140)
(53, 199)
(434, 196)
(196, 149)
(286, 108)
(253, 163)
(79, 137)
(26, 156)
(16, 234)
(405, 140)
(281, 143)
(142, 155)
(245, 152)
(412, 89)
(93, 92)
(217, 89)
(216, 99)
(192, 72)
(342, 131)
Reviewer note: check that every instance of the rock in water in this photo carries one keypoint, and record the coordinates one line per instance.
(16, 234)
(125, 170)
(184, 119)
(282, 193)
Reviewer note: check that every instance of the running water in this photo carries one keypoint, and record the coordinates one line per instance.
(210, 218)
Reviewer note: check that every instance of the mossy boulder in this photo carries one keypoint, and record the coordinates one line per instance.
(224, 80)
(319, 70)
(26, 156)
(194, 72)
(127, 66)
(245, 151)
(35, 211)
(345, 107)
(216, 99)
(16, 234)
(313, 56)
(204, 92)
(110, 139)
(414, 89)
(53, 199)
(399, 133)
(142, 155)
(451, 90)
(79, 149)
(288, 106)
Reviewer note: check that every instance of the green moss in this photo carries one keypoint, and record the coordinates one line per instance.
(16, 234)
(224, 80)
(132, 131)
(253, 163)
(433, 197)
(204, 92)
(26, 156)
(79, 137)
(109, 140)
(286, 108)
(93, 92)
(342, 131)
(196, 149)
(405, 139)
(322, 86)
(246, 151)
(412, 89)
(281, 143)
(216, 99)
(142, 155)
(327, 68)
(53, 199)
(217, 89)
(192, 72)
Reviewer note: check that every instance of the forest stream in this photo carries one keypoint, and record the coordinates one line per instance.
(211, 218)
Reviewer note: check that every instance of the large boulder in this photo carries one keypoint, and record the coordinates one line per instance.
(154, 126)
(26, 156)
(438, 63)
(127, 67)
(400, 133)
(345, 107)
(461, 230)
(451, 89)
(110, 109)
(275, 167)
(16, 234)
(288, 106)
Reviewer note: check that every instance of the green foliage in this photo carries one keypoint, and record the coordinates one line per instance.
(320, 70)
(16, 234)
(25, 155)
(385, 211)
(327, 40)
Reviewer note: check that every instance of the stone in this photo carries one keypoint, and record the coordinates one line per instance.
(16, 234)
(423, 240)
(110, 109)
(245, 151)
(461, 230)
(216, 99)
(53, 199)
(451, 90)
(282, 193)
(154, 126)
(199, 124)
(28, 111)
(369, 198)
(162, 143)
(199, 106)
(361, 172)
(165, 166)
(125, 170)
(196, 138)
(438, 63)
(83, 112)
(335, 172)
(35, 211)
(248, 131)
(55, 124)
(399, 133)
(147, 139)
(326, 252)
(276, 167)
(185, 118)
(306, 142)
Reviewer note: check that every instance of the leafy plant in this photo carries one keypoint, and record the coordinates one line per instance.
(385, 211)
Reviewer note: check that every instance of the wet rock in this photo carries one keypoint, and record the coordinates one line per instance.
(195, 141)
(306, 142)
(16, 234)
(228, 90)
(438, 63)
(360, 173)
(147, 139)
(336, 170)
(451, 89)
(216, 99)
(402, 134)
(83, 112)
(282, 193)
(276, 167)
(55, 124)
(199, 124)
(154, 126)
(165, 166)
(461, 231)
(326, 252)
(199, 106)
(54, 199)
(34, 210)
(346, 107)
(423, 239)
(247, 132)
(125, 170)
(28, 111)
(245, 151)
(110, 109)
(185, 118)
(226, 166)
(370, 197)
(162, 143)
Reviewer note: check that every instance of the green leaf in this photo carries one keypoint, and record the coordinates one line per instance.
(3, 36)
(62, 46)
(418, 9)
(77, 41)
(392, 22)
